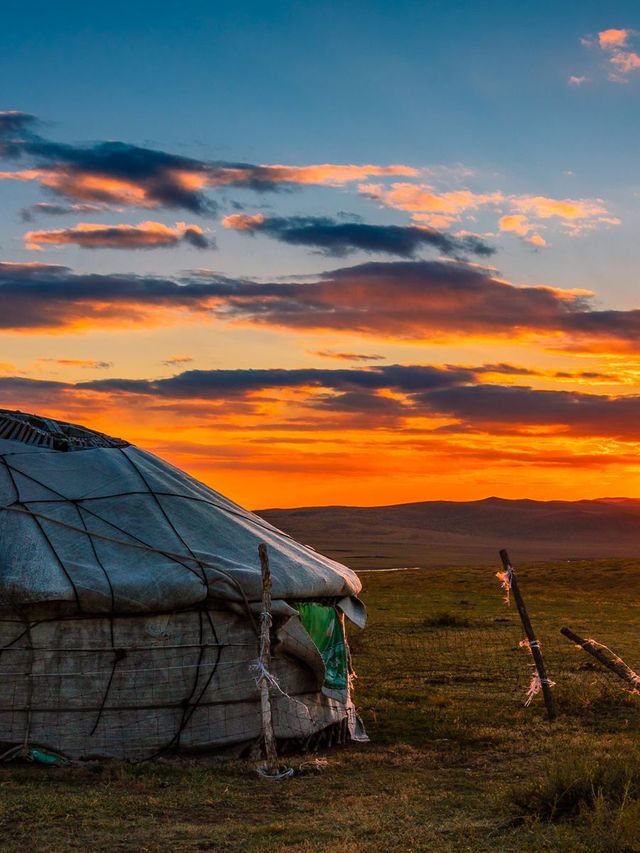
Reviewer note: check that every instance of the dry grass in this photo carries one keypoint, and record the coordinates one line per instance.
(456, 762)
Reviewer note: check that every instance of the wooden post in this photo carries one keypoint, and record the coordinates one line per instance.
(534, 645)
(615, 664)
(268, 737)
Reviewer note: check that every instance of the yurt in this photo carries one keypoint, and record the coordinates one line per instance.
(130, 597)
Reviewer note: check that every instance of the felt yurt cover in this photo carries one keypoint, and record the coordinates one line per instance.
(128, 594)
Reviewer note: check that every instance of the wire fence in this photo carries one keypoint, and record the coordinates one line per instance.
(483, 663)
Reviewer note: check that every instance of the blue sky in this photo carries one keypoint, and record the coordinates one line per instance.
(436, 82)
(483, 84)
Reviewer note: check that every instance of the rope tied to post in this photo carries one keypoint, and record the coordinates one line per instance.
(536, 683)
(632, 675)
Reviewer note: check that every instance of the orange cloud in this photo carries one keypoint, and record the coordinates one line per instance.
(243, 221)
(626, 61)
(435, 209)
(174, 360)
(611, 39)
(91, 187)
(346, 356)
(518, 224)
(145, 235)
(515, 222)
(437, 221)
(88, 186)
(544, 207)
(443, 209)
(615, 44)
(87, 363)
(327, 174)
(575, 215)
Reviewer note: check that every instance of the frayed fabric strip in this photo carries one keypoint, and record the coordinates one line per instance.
(505, 583)
(536, 686)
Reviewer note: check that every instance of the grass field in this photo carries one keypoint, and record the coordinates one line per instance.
(456, 762)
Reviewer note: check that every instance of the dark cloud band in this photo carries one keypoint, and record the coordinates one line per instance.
(119, 173)
(371, 395)
(333, 237)
(420, 300)
(146, 235)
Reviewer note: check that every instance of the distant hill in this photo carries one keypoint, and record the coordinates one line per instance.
(447, 532)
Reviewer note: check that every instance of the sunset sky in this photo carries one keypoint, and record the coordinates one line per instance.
(330, 253)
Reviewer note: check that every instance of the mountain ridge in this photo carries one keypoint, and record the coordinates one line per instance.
(466, 532)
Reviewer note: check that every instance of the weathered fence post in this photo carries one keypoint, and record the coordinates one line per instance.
(534, 645)
(614, 663)
(268, 737)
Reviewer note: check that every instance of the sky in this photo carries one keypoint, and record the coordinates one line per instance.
(330, 253)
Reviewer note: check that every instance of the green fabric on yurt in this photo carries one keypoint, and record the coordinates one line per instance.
(325, 629)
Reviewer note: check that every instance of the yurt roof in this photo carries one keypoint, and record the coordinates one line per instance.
(96, 525)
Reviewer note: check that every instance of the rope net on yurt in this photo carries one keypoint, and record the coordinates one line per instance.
(129, 602)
